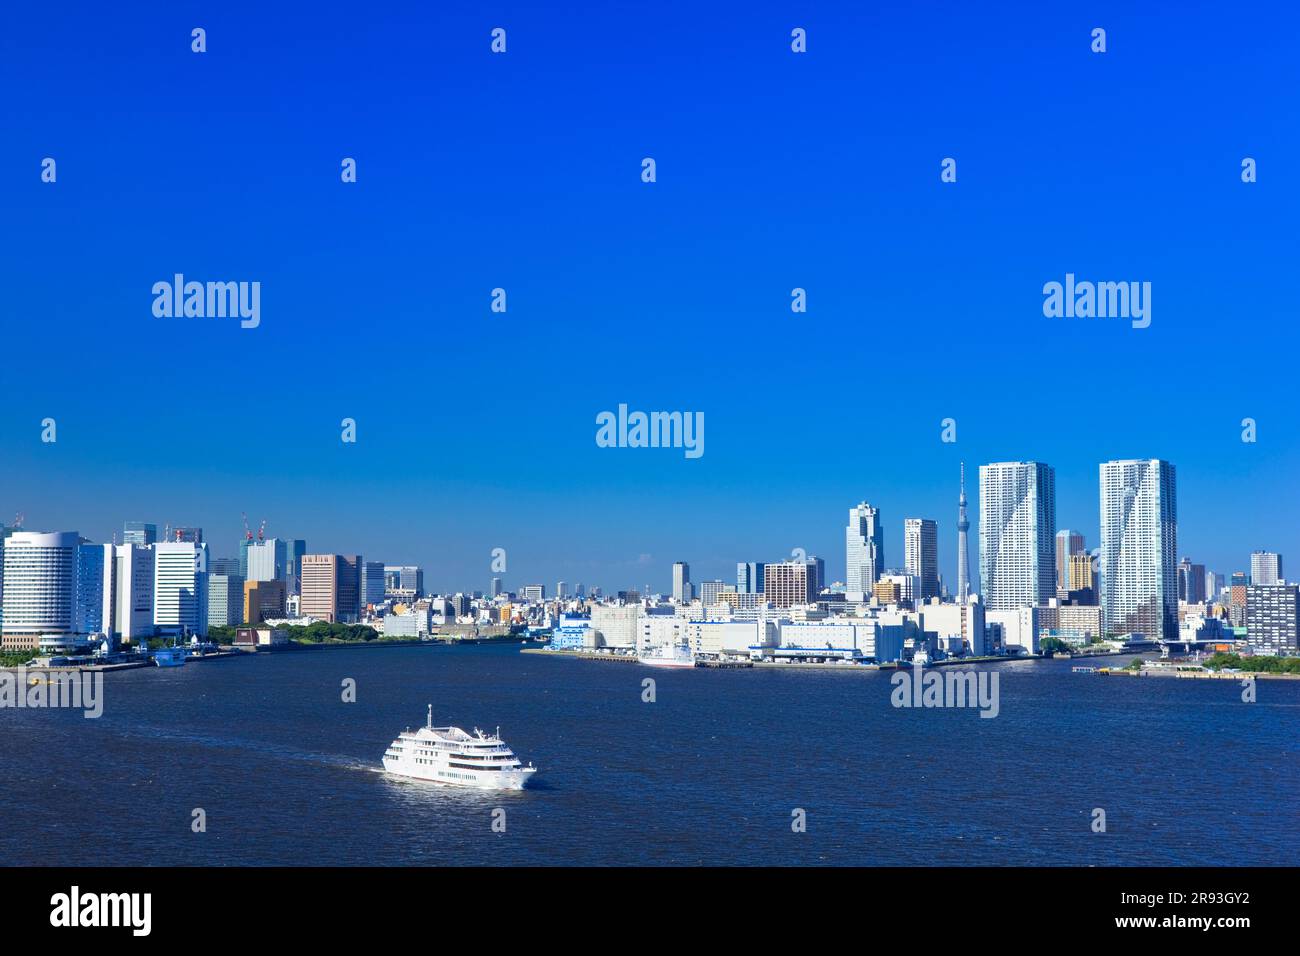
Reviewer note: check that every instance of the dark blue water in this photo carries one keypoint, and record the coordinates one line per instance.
(708, 774)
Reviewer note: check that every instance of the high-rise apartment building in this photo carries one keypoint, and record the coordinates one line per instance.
(1139, 539)
(1273, 618)
(788, 583)
(921, 555)
(711, 592)
(1265, 567)
(1017, 534)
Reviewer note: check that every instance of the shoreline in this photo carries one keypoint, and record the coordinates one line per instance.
(895, 666)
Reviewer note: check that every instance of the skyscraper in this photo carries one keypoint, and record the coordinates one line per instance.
(295, 548)
(331, 587)
(40, 574)
(682, 591)
(749, 577)
(1191, 582)
(225, 597)
(963, 547)
(1067, 543)
(495, 590)
(268, 560)
(133, 611)
(1017, 528)
(1139, 539)
(921, 555)
(864, 549)
(94, 589)
(373, 583)
(180, 583)
(139, 533)
(1265, 567)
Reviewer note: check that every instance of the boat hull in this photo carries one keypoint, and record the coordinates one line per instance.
(665, 662)
(475, 780)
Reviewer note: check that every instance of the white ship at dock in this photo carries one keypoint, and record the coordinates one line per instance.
(668, 655)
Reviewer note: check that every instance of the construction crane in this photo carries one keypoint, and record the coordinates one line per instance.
(248, 535)
(261, 532)
(18, 520)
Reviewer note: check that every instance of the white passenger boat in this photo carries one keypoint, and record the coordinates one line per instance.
(451, 756)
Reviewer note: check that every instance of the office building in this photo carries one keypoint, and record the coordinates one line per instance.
(1191, 582)
(264, 600)
(94, 608)
(139, 533)
(683, 593)
(374, 584)
(225, 597)
(403, 582)
(749, 577)
(331, 587)
(40, 587)
(1068, 544)
(864, 549)
(133, 607)
(180, 583)
(268, 560)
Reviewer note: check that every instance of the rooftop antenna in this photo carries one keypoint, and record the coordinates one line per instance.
(430, 723)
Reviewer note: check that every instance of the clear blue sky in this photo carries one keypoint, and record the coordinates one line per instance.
(476, 430)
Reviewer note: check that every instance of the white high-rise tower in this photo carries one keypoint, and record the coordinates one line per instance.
(864, 549)
(1139, 543)
(1017, 534)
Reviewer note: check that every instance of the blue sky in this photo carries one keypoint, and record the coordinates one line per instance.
(775, 170)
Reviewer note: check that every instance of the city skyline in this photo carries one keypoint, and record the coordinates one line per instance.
(647, 575)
